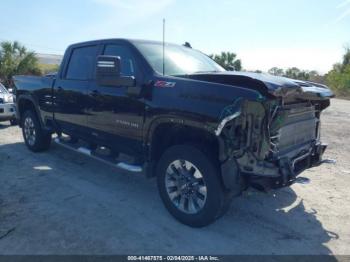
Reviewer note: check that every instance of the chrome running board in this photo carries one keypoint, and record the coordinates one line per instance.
(106, 160)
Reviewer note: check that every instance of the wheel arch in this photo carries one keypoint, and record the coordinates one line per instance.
(164, 134)
(24, 103)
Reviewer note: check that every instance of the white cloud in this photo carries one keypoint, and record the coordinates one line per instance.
(344, 3)
(343, 16)
(346, 13)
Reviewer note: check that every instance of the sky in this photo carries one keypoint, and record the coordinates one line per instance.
(308, 34)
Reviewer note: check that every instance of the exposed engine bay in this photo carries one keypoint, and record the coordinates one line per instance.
(277, 139)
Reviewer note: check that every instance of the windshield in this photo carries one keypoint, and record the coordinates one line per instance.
(178, 60)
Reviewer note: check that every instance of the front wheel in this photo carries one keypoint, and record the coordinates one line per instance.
(34, 136)
(190, 187)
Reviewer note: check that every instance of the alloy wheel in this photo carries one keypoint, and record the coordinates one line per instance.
(185, 186)
(29, 131)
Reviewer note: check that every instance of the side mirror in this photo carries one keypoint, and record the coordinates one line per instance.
(108, 72)
(10, 90)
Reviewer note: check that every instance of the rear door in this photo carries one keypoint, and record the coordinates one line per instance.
(116, 118)
(71, 90)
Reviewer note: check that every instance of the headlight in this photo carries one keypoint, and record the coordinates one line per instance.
(8, 99)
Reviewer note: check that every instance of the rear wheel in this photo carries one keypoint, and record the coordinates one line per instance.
(190, 186)
(34, 136)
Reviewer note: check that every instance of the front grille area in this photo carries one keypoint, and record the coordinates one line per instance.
(292, 127)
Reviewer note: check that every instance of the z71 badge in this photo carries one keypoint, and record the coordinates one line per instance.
(164, 84)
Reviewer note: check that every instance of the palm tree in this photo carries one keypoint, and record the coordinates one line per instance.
(15, 60)
(228, 61)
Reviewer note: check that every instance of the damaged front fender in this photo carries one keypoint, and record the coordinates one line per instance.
(229, 113)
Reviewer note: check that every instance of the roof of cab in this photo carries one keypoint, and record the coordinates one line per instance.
(110, 40)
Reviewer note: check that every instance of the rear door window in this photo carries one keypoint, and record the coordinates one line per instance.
(82, 63)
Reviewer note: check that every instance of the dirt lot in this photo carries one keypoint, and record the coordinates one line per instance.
(60, 202)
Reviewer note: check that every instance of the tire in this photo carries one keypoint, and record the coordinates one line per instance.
(217, 199)
(35, 138)
(13, 122)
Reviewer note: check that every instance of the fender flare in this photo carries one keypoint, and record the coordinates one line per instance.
(229, 170)
(26, 97)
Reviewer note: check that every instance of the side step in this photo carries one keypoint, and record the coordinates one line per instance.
(328, 161)
(104, 159)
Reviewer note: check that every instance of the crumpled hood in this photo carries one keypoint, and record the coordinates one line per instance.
(268, 84)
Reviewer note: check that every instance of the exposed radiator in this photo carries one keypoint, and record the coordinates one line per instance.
(293, 126)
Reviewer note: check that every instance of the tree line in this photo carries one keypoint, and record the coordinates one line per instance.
(338, 78)
(16, 59)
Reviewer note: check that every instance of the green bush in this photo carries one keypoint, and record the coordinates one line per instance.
(339, 81)
(339, 77)
(16, 60)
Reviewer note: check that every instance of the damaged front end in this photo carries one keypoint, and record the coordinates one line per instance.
(270, 142)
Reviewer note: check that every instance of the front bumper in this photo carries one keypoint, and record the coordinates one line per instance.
(287, 170)
(7, 111)
(290, 169)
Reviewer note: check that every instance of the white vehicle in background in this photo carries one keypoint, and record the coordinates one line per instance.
(7, 106)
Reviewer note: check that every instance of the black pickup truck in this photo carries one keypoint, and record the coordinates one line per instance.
(170, 111)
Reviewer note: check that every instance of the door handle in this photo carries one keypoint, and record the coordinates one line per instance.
(59, 89)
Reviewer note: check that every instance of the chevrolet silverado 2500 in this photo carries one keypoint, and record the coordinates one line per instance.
(206, 134)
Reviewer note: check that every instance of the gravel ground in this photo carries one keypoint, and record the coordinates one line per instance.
(60, 202)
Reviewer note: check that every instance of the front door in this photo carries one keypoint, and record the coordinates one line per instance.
(116, 118)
